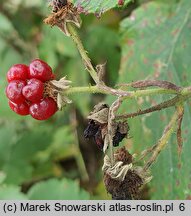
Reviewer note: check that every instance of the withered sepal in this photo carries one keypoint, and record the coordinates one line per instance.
(62, 16)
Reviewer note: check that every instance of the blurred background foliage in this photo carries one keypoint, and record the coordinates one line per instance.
(51, 159)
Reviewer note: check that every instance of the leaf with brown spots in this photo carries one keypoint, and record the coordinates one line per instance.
(155, 42)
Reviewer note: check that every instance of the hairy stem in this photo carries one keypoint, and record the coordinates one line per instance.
(86, 89)
(180, 111)
(78, 156)
(83, 53)
(118, 92)
(166, 104)
(148, 92)
(148, 83)
(163, 141)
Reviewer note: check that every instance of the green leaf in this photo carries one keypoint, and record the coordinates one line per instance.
(62, 145)
(55, 189)
(11, 192)
(6, 142)
(18, 163)
(17, 171)
(156, 44)
(97, 6)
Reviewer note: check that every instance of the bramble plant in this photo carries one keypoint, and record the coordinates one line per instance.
(35, 90)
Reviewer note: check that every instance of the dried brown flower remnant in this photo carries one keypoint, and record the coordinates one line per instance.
(55, 89)
(58, 4)
(63, 14)
(121, 132)
(123, 155)
(99, 113)
(123, 180)
(97, 126)
(126, 190)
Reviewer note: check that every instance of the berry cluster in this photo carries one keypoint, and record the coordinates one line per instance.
(25, 90)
